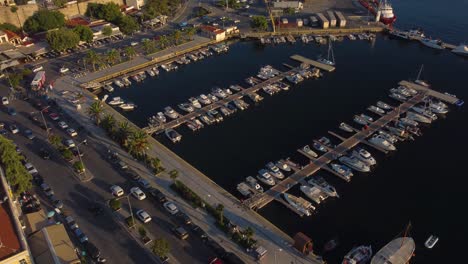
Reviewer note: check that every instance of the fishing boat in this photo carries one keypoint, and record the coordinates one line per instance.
(346, 127)
(299, 203)
(382, 9)
(309, 152)
(358, 255)
(431, 241)
(172, 135)
(323, 185)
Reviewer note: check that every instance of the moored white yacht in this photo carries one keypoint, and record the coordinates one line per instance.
(376, 109)
(282, 164)
(433, 43)
(398, 97)
(367, 118)
(173, 135)
(265, 177)
(380, 141)
(310, 152)
(204, 99)
(364, 156)
(346, 127)
(360, 120)
(218, 92)
(408, 122)
(161, 117)
(127, 106)
(171, 113)
(254, 184)
(359, 255)
(342, 170)
(324, 186)
(313, 193)
(299, 203)
(274, 171)
(462, 50)
(116, 101)
(185, 107)
(425, 112)
(355, 163)
(195, 102)
(418, 117)
(384, 105)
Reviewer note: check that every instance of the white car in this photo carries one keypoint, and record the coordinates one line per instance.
(72, 132)
(30, 168)
(171, 208)
(64, 70)
(38, 68)
(116, 190)
(62, 125)
(69, 143)
(134, 44)
(138, 193)
(143, 216)
(5, 100)
(14, 129)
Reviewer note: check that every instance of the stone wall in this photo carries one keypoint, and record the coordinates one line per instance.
(25, 11)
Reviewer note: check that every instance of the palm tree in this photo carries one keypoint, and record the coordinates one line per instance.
(176, 36)
(93, 58)
(249, 233)
(14, 9)
(108, 123)
(101, 61)
(138, 143)
(112, 56)
(163, 41)
(130, 51)
(149, 46)
(95, 111)
(190, 32)
(123, 133)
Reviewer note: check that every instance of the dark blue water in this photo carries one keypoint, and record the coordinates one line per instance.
(423, 182)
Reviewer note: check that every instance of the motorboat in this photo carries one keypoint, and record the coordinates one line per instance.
(381, 142)
(119, 83)
(205, 119)
(425, 112)
(319, 147)
(116, 101)
(398, 251)
(161, 117)
(236, 87)
(254, 184)
(275, 171)
(346, 127)
(433, 43)
(390, 138)
(358, 255)
(367, 118)
(360, 120)
(198, 123)
(255, 97)
(364, 156)
(408, 122)
(313, 193)
(299, 204)
(244, 189)
(309, 152)
(225, 111)
(403, 92)
(151, 72)
(384, 106)
(265, 177)
(418, 117)
(342, 170)
(409, 90)
(109, 88)
(185, 107)
(173, 135)
(212, 98)
(354, 163)
(324, 186)
(204, 99)
(218, 92)
(127, 106)
(326, 141)
(195, 102)
(462, 50)
(398, 97)
(282, 86)
(283, 165)
(215, 115)
(438, 109)
(431, 241)
(227, 91)
(376, 109)
(171, 113)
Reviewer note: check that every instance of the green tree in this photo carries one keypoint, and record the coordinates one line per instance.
(142, 231)
(109, 12)
(115, 204)
(174, 174)
(108, 123)
(44, 20)
(138, 143)
(249, 233)
(189, 32)
(95, 111)
(14, 9)
(85, 33)
(15, 79)
(93, 58)
(124, 131)
(79, 167)
(127, 24)
(220, 211)
(163, 41)
(62, 39)
(113, 56)
(154, 8)
(176, 36)
(55, 140)
(160, 247)
(16, 174)
(59, 3)
(11, 27)
(130, 52)
(149, 46)
(259, 22)
(107, 31)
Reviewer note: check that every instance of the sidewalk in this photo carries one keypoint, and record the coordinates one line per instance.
(269, 236)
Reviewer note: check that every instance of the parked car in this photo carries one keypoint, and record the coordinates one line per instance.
(180, 232)
(171, 207)
(5, 100)
(199, 232)
(132, 174)
(157, 195)
(44, 154)
(123, 165)
(47, 190)
(71, 222)
(37, 68)
(80, 235)
(31, 169)
(56, 202)
(72, 132)
(116, 190)
(29, 134)
(144, 183)
(69, 143)
(54, 116)
(13, 129)
(137, 193)
(143, 216)
(184, 218)
(92, 251)
(11, 111)
(62, 125)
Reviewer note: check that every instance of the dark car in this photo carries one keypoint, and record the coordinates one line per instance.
(43, 126)
(219, 250)
(56, 202)
(199, 232)
(92, 250)
(38, 179)
(132, 174)
(183, 217)
(80, 235)
(75, 152)
(232, 258)
(29, 134)
(11, 111)
(180, 232)
(157, 195)
(44, 154)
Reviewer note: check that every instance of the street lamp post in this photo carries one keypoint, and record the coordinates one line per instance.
(79, 154)
(43, 120)
(129, 206)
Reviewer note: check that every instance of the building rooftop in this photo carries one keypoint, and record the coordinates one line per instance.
(212, 29)
(9, 241)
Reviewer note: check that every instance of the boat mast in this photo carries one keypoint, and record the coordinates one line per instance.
(405, 234)
(330, 50)
(420, 71)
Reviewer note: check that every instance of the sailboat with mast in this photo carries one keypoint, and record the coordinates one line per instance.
(418, 79)
(330, 60)
(398, 251)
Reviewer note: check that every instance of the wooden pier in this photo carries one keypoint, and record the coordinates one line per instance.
(314, 63)
(441, 96)
(323, 160)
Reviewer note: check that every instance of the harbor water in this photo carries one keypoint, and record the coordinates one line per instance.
(423, 182)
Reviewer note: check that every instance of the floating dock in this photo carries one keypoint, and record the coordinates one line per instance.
(314, 63)
(322, 161)
(441, 96)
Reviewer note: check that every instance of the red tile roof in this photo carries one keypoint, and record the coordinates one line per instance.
(77, 21)
(212, 29)
(11, 34)
(8, 237)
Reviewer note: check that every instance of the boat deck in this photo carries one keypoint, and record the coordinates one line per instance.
(323, 160)
(314, 63)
